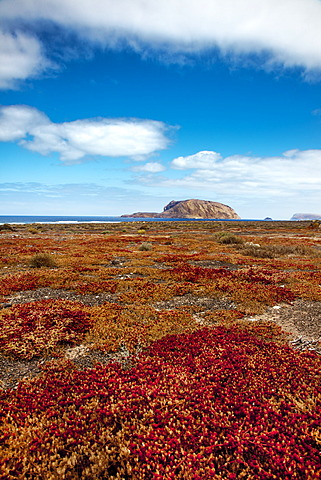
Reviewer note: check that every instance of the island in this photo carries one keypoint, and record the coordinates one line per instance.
(192, 208)
(306, 216)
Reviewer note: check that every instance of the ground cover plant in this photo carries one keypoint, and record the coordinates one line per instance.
(34, 328)
(178, 360)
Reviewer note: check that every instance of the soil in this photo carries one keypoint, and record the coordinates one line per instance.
(204, 303)
(50, 293)
(301, 319)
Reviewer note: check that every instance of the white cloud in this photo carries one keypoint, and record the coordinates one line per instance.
(204, 159)
(17, 120)
(256, 187)
(150, 167)
(293, 173)
(20, 57)
(278, 31)
(74, 140)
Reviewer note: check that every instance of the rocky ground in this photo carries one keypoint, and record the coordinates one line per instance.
(302, 319)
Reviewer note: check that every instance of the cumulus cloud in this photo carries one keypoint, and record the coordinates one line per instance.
(21, 57)
(150, 167)
(203, 159)
(16, 121)
(294, 172)
(33, 130)
(286, 32)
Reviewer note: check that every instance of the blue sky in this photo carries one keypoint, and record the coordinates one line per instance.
(109, 107)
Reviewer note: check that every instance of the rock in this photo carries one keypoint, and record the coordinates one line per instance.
(191, 209)
(306, 216)
(142, 215)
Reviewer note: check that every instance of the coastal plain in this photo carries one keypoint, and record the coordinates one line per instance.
(192, 349)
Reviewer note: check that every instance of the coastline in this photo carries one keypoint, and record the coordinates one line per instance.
(70, 219)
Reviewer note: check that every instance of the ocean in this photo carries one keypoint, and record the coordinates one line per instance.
(90, 219)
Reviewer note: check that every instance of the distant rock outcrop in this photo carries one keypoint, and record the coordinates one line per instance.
(191, 209)
(306, 216)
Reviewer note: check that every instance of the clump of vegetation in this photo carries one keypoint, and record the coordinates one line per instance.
(36, 328)
(134, 326)
(42, 260)
(315, 224)
(213, 404)
(33, 230)
(227, 238)
(141, 230)
(274, 251)
(6, 227)
(145, 247)
(257, 251)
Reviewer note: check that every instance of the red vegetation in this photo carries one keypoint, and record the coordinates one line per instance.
(231, 401)
(260, 285)
(96, 287)
(217, 403)
(35, 328)
(20, 282)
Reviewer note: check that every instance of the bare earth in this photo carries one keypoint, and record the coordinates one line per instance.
(301, 319)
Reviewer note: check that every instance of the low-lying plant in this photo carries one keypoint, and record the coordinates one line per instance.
(227, 402)
(42, 260)
(227, 238)
(37, 328)
(215, 404)
(134, 326)
(274, 251)
(145, 247)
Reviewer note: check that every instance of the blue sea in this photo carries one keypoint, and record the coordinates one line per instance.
(89, 219)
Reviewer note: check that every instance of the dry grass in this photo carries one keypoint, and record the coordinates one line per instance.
(42, 260)
(274, 251)
(227, 238)
(145, 247)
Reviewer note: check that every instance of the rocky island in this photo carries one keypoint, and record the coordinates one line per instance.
(191, 209)
(306, 216)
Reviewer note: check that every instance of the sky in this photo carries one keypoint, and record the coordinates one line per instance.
(109, 107)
